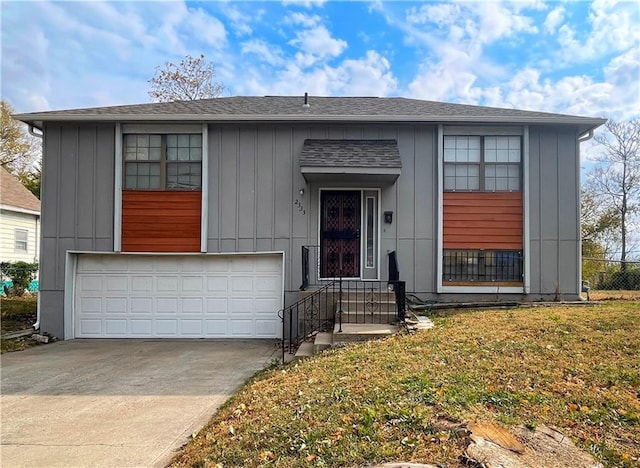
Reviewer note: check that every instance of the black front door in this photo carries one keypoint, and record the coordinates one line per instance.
(340, 233)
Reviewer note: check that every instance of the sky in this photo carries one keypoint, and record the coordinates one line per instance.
(574, 57)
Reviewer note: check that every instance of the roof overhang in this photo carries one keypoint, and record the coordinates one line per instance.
(350, 174)
(584, 124)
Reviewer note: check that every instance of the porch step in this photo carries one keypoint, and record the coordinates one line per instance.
(323, 341)
(368, 317)
(354, 332)
(305, 350)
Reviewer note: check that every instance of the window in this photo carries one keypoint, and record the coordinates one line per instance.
(162, 162)
(21, 236)
(482, 266)
(488, 164)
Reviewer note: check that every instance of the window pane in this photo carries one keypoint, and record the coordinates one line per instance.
(195, 141)
(183, 154)
(142, 140)
(143, 154)
(195, 154)
(490, 155)
(514, 184)
(449, 183)
(129, 141)
(172, 141)
(154, 154)
(490, 143)
(474, 142)
(130, 182)
(502, 142)
(172, 154)
(449, 154)
(474, 155)
(154, 169)
(143, 169)
(449, 142)
(514, 155)
(490, 184)
(155, 141)
(154, 182)
(183, 141)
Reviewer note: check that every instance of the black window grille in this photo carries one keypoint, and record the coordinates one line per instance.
(482, 266)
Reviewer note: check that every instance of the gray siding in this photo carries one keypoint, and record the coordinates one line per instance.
(254, 180)
(554, 211)
(77, 206)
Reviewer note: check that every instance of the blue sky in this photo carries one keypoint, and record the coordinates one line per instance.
(572, 57)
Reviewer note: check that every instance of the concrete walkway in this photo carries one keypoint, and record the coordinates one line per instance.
(117, 403)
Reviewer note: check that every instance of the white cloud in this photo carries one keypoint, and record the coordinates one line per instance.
(316, 44)
(206, 28)
(263, 51)
(440, 14)
(554, 19)
(302, 19)
(304, 3)
(370, 75)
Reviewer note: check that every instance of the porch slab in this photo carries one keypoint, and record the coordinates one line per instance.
(352, 332)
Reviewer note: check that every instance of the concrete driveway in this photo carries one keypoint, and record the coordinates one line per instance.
(117, 403)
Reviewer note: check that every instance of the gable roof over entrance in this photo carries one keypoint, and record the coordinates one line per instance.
(319, 109)
(376, 159)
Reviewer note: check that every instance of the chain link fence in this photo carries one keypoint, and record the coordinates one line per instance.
(611, 278)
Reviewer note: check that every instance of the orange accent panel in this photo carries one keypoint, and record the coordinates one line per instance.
(482, 220)
(161, 221)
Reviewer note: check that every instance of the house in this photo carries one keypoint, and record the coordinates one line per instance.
(19, 221)
(190, 218)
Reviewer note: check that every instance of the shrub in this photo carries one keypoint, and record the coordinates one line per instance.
(21, 274)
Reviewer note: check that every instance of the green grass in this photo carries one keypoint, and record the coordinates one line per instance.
(572, 368)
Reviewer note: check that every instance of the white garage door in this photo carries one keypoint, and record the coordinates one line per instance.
(173, 296)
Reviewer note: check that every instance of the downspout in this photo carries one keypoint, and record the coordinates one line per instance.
(585, 136)
(36, 326)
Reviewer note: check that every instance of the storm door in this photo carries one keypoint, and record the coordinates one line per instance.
(340, 221)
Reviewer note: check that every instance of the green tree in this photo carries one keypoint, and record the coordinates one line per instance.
(16, 149)
(615, 181)
(20, 153)
(192, 78)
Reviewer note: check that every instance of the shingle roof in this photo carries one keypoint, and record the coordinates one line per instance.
(13, 194)
(350, 153)
(290, 108)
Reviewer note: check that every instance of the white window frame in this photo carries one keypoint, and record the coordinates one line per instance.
(122, 129)
(24, 232)
(523, 131)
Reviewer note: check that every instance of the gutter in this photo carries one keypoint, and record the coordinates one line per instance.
(34, 133)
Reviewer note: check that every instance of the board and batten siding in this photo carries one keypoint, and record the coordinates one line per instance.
(9, 222)
(255, 180)
(554, 210)
(161, 221)
(76, 206)
(482, 220)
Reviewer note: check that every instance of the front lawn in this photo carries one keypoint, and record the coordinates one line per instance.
(573, 368)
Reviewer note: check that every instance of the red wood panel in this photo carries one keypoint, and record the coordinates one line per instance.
(482, 220)
(161, 221)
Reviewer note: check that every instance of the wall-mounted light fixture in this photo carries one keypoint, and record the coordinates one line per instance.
(301, 191)
(388, 217)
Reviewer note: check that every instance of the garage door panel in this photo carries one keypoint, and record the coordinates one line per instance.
(216, 306)
(141, 305)
(167, 305)
(178, 296)
(192, 305)
(167, 284)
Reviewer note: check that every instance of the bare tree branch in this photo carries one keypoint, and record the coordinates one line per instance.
(192, 78)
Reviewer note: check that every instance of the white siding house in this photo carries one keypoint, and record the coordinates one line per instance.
(19, 221)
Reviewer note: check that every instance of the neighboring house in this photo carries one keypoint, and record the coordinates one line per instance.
(187, 219)
(19, 221)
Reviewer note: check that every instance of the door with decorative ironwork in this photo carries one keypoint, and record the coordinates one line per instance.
(340, 222)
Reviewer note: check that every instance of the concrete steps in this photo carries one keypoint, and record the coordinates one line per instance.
(351, 332)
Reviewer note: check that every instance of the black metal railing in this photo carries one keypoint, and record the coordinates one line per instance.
(366, 302)
(482, 266)
(315, 312)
